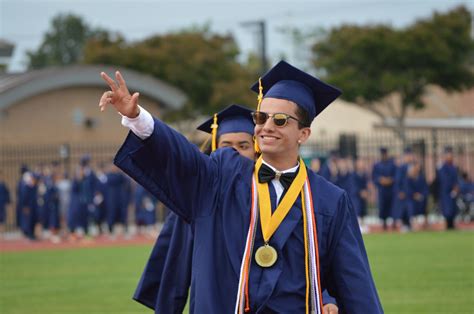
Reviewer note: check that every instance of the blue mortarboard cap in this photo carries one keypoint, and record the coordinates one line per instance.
(284, 81)
(383, 150)
(232, 119)
(408, 150)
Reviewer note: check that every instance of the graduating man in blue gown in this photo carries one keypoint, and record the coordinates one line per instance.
(307, 242)
(4, 201)
(417, 191)
(329, 168)
(164, 284)
(383, 176)
(400, 204)
(447, 175)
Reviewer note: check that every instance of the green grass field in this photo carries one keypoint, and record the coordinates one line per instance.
(414, 273)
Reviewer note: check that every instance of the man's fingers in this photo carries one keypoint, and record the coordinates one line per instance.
(121, 81)
(109, 81)
(102, 105)
(106, 95)
(105, 100)
(330, 309)
(135, 99)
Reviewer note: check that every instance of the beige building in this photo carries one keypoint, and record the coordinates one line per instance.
(58, 105)
(453, 111)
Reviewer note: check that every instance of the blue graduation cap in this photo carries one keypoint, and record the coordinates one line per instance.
(284, 81)
(383, 150)
(232, 119)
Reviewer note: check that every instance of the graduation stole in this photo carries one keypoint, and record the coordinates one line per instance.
(269, 223)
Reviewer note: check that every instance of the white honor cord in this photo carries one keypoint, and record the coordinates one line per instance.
(240, 303)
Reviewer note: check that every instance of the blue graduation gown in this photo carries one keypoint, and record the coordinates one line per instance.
(100, 204)
(448, 180)
(144, 215)
(29, 209)
(19, 199)
(214, 194)
(384, 168)
(326, 173)
(400, 205)
(82, 206)
(164, 284)
(114, 198)
(345, 182)
(417, 185)
(78, 207)
(50, 210)
(359, 185)
(4, 200)
(466, 189)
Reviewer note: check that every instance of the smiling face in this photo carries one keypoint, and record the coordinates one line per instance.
(280, 145)
(240, 141)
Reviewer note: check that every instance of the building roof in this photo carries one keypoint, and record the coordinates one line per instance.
(463, 123)
(16, 87)
(439, 104)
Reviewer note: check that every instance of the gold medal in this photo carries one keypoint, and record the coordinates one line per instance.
(266, 256)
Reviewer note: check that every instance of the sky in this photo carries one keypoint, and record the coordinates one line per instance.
(24, 22)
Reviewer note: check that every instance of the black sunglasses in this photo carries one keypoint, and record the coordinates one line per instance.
(280, 119)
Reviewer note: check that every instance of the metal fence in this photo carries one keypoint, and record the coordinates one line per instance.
(427, 145)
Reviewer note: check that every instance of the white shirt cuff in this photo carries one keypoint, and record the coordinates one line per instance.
(142, 125)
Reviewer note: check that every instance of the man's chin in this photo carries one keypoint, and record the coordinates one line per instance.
(268, 151)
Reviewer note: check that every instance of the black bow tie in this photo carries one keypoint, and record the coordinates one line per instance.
(266, 174)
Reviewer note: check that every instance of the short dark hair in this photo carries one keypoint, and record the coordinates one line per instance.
(303, 118)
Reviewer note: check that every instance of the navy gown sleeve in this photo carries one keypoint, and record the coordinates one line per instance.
(352, 283)
(173, 170)
(146, 292)
(327, 298)
(376, 175)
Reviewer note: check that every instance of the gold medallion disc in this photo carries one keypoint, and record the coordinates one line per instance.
(266, 256)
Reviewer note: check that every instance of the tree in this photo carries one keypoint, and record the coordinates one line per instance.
(378, 64)
(63, 43)
(202, 64)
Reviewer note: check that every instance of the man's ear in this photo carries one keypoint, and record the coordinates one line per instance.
(304, 135)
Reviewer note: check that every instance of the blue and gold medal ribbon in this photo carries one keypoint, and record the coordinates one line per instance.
(271, 222)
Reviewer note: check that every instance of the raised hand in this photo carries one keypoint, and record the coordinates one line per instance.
(119, 96)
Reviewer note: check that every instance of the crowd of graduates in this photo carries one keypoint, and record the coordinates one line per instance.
(97, 200)
(91, 202)
(402, 190)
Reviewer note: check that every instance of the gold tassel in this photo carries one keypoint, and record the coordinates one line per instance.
(259, 101)
(214, 133)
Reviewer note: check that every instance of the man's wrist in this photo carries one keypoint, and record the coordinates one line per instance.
(136, 113)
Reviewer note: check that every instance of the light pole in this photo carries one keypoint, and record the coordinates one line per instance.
(261, 28)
